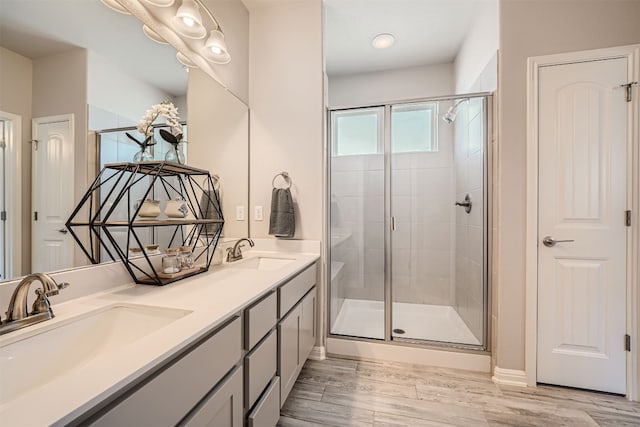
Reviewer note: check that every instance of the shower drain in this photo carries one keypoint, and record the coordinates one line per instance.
(398, 331)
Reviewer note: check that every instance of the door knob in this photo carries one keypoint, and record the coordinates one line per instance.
(466, 203)
(549, 242)
(63, 231)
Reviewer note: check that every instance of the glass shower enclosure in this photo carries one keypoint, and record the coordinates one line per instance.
(409, 222)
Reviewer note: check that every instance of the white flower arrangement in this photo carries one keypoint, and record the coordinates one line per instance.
(169, 112)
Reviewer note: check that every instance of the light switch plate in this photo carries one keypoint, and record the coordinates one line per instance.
(258, 213)
(239, 213)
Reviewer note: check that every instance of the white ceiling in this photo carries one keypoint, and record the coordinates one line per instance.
(426, 32)
(35, 28)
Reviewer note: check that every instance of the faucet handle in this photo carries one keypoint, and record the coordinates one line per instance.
(55, 289)
(41, 304)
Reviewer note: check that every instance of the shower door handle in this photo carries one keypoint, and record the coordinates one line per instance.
(393, 223)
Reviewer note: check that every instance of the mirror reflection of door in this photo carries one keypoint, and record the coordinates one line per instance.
(2, 201)
(52, 189)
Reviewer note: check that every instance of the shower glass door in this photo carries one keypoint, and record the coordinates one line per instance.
(357, 275)
(437, 274)
(408, 222)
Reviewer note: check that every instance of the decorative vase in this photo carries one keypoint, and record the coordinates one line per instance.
(142, 156)
(175, 154)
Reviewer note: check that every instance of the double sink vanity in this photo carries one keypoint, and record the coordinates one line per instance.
(222, 348)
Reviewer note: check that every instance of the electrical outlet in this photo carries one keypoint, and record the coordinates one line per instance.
(258, 213)
(239, 213)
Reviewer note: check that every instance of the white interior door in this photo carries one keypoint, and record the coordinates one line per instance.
(582, 200)
(52, 183)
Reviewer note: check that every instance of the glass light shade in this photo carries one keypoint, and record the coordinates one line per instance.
(153, 35)
(185, 61)
(215, 43)
(216, 58)
(160, 3)
(188, 21)
(114, 5)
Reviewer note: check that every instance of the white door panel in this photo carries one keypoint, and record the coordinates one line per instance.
(52, 246)
(582, 197)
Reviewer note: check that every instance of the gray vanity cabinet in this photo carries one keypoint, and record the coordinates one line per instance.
(289, 359)
(296, 329)
(261, 362)
(222, 407)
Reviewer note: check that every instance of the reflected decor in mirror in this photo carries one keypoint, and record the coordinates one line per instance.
(99, 75)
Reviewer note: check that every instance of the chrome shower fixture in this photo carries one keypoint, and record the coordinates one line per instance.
(450, 116)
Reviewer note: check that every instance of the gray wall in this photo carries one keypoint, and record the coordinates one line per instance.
(533, 28)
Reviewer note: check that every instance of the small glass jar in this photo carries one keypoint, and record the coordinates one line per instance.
(186, 257)
(171, 261)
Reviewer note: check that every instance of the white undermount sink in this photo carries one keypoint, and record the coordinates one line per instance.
(263, 263)
(36, 359)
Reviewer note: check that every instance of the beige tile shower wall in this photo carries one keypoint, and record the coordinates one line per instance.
(422, 204)
(357, 225)
(469, 296)
(422, 200)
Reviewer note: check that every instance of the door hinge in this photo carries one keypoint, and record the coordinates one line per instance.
(627, 218)
(3, 216)
(628, 87)
(627, 342)
(35, 143)
(3, 145)
(35, 216)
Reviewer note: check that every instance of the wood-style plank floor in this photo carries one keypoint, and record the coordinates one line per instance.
(337, 392)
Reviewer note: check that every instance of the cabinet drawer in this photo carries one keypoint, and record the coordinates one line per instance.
(260, 319)
(167, 397)
(290, 293)
(260, 365)
(222, 407)
(267, 411)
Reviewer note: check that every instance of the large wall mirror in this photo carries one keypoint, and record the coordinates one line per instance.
(78, 68)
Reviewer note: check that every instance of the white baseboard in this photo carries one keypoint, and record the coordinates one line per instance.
(511, 377)
(318, 353)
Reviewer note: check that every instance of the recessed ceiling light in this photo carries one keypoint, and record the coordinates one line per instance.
(383, 41)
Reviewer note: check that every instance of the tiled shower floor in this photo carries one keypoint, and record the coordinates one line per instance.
(364, 318)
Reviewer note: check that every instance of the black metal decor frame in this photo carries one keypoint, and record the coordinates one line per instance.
(192, 185)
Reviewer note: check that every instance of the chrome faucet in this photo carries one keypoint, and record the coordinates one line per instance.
(18, 315)
(235, 253)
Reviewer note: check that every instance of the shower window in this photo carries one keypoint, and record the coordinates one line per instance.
(357, 132)
(414, 127)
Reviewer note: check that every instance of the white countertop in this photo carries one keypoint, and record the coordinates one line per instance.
(211, 297)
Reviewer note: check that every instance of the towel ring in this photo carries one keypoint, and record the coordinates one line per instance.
(285, 176)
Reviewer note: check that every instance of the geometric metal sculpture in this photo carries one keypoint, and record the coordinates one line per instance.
(107, 222)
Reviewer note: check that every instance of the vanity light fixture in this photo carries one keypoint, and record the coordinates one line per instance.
(383, 41)
(153, 35)
(114, 5)
(188, 20)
